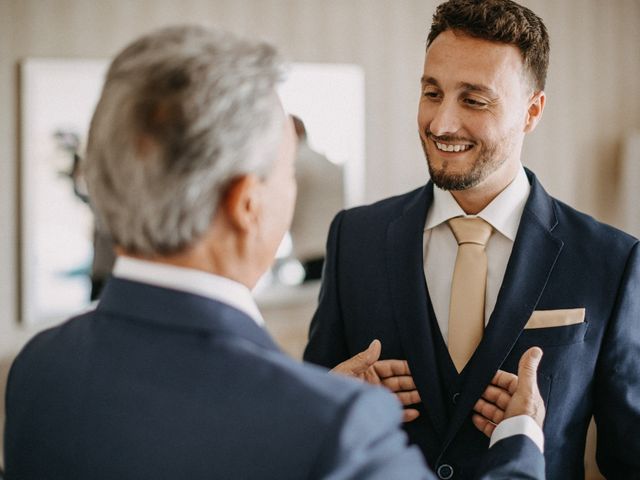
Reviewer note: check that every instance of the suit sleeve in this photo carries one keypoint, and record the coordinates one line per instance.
(327, 343)
(514, 457)
(366, 442)
(617, 382)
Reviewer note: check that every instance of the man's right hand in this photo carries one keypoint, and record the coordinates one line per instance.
(509, 395)
(392, 374)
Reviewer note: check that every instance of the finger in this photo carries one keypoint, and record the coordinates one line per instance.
(505, 380)
(497, 396)
(489, 411)
(392, 368)
(409, 398)
(527, 371)
(410, 414)
(370, 376)
(482, 424)
(399, 384)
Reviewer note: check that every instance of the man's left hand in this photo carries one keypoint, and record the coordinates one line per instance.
(509, 395)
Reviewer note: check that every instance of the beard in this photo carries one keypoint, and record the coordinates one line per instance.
(488, 160)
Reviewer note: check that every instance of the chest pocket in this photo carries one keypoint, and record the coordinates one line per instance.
(554, 336)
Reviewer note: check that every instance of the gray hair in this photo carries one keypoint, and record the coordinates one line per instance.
(183, 112)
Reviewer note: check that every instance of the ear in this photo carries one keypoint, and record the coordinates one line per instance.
(534, 112)
(241, 203)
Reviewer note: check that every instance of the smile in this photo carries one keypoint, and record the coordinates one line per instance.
(448, 147)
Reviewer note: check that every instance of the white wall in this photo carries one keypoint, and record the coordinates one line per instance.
(593, 94)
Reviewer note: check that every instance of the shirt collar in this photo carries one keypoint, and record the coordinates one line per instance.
(503, 213)
(189, 280)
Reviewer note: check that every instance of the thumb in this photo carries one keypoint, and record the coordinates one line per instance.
(363, 360)
(528, 370)
(371, 354)
(360, 363)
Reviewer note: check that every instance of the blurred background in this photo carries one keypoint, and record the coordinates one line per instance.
(586, 151)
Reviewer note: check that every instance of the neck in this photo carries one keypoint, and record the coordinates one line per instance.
(474, 200)
(218, 256)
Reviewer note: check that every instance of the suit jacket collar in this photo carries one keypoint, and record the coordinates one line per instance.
(179, 310)
(188, 280)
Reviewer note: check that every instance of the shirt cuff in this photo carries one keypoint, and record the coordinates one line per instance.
(518, 425)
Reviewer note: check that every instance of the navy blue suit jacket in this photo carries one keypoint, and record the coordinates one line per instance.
(162, 384)
(374, 287)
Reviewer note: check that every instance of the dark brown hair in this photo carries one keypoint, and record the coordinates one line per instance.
(501, 21)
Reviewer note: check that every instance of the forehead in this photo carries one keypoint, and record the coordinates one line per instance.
(458, 58)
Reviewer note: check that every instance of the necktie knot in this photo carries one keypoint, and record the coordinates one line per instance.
(470, 230)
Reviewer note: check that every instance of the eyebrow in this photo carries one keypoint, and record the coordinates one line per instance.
(429, 81)
(466, 86)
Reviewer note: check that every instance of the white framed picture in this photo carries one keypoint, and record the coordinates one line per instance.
(57, 98)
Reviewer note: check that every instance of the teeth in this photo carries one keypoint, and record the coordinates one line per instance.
(452, 148)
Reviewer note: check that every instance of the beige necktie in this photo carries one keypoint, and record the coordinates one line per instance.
(466, 309)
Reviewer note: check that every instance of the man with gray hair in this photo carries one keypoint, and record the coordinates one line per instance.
(190, 166)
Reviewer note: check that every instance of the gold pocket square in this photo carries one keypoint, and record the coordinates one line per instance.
(555, 318)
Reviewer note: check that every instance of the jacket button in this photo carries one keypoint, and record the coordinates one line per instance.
(455, 398)
(445, 472)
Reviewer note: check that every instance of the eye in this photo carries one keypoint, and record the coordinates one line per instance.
(431, 94)
(475, 103)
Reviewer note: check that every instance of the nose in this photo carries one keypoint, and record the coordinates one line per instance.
(446, 120)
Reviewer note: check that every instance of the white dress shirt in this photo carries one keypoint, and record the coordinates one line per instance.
(440, 250)
(518, 425)
(440, 246)
(189, 280)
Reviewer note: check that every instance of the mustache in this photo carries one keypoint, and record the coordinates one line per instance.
(448, 138)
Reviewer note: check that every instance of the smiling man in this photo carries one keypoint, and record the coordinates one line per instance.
(461, 276)
(476, 107)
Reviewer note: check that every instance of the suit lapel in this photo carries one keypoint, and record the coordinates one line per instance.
(533, 257)
(409, 295)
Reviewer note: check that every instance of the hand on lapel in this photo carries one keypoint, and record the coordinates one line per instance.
(509, 395)
(392, 374)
